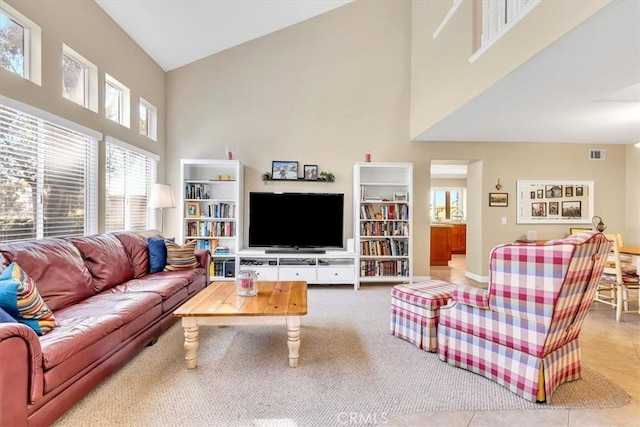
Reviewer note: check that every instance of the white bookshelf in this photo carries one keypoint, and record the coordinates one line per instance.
(382, 221)
(211, 211)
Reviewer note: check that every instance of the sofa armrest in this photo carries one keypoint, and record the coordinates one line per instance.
(470, 295)
(204, 258)
(21, 378)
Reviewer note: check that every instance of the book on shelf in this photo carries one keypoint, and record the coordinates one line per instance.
(196, 191)
(222, 250)
(372, 268)
(203, 228)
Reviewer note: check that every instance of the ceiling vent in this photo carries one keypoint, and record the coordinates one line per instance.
(596, 154)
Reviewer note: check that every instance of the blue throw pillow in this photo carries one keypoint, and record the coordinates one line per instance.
(6, 318)
(157, 254)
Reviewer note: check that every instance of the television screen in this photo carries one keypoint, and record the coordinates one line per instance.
(296, 220)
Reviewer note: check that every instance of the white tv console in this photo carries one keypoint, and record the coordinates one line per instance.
(332, 267)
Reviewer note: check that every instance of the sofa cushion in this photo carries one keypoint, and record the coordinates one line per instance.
(135, 246)
(87, 322)
(20, 298)
(106, 259)
(157, 254)
(56, 266)
(181, 257)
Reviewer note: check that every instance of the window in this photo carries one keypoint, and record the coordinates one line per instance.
(116, 101)
(79, 79)
(148, 120)
(130, 175)
(447, 204)
(48, 175)
(20, 44)
(496, 14)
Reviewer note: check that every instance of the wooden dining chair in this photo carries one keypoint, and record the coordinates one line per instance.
(618, 277)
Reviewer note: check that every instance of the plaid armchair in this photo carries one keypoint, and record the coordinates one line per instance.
(522, 332)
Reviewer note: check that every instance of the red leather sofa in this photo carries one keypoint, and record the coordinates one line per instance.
(107, 307)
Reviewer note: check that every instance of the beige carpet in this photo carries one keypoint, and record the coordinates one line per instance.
(349, 363)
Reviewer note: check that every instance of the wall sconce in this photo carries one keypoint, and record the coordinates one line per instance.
(498, 185)
(598, 225)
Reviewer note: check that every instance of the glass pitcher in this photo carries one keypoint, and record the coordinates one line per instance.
(246, 283)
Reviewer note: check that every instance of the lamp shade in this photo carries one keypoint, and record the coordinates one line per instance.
(161, 197)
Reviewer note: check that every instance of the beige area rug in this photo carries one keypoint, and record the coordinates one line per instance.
(349, 363)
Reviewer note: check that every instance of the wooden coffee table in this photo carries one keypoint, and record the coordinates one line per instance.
(219, 305)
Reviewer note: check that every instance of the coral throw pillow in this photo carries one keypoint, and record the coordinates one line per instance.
(181, 257)
(20, 298)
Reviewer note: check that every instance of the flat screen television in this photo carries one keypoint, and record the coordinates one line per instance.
(291, 222)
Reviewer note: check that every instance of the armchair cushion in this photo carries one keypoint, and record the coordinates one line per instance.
(469, 295)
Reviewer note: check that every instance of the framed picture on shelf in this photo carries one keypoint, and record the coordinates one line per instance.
(193, 209)
(284, 170)
(554, 208)
(400, 196)
(311, 172)
(499, 199)
(579, 191)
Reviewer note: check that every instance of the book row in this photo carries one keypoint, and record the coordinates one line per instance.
(222, 269)
(196, 191)
(384, 229)
(211, 229)
(384, 247)
(392, 211)
(220, 210)
(370, 268)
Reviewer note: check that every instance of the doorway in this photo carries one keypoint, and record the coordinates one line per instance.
(448, 217)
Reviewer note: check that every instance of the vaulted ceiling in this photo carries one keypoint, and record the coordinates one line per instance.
(584, 88)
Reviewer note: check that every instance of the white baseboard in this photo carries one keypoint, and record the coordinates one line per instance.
(476, 277)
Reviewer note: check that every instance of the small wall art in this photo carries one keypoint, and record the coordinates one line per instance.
(499, 199)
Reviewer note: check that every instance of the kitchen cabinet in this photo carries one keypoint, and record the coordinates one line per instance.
(459, 239)
(440, 244)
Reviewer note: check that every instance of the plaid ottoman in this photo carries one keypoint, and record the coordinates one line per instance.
(415, 308)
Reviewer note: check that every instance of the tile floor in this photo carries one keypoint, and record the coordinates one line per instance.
(613, 349)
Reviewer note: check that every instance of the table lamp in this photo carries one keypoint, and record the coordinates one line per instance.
(161, 198)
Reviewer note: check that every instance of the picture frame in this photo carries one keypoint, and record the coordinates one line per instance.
(499, 199)
(533, 194)
(568, 191)
(572, 209)
(400, 196)
(539, 209)
(553, 191)
(311, 172)
(193, 209)
(566, 202)
(284, 170)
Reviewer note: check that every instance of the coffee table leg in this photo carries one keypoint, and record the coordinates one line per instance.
(293, 339)
(190, 344)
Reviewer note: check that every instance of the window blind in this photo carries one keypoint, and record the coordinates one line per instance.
(129, 176)
(48, 180)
